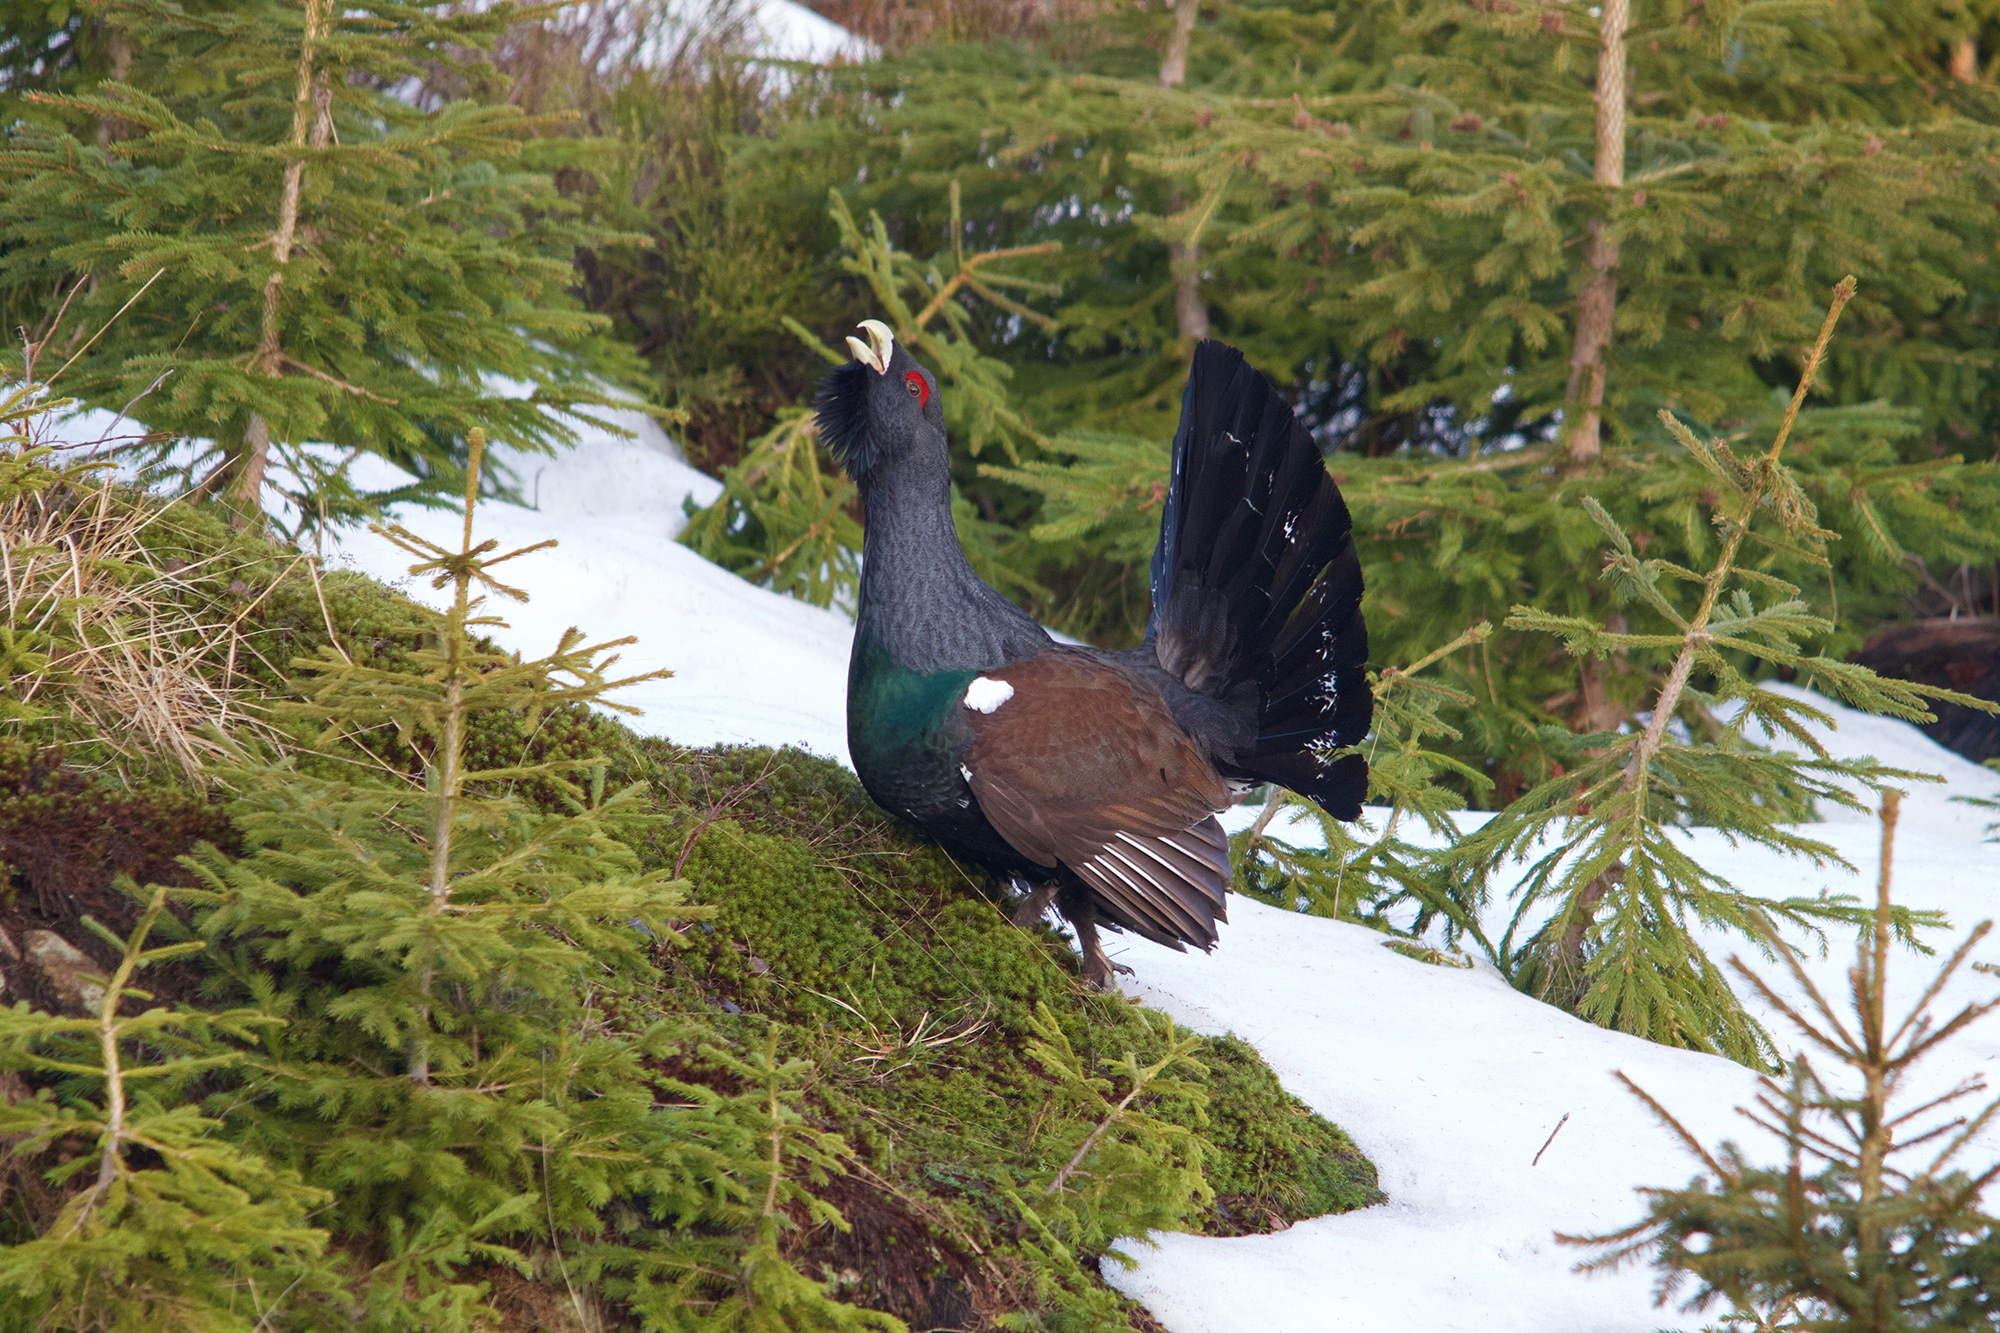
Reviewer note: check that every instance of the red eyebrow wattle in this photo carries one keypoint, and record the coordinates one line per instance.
(921, 385)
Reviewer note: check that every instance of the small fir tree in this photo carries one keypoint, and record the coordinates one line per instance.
(1602, 840)
(1873, 1221)
(177, 1227)
(1148, 1168)
(739, 1287)
(314, 246)
(441, 951)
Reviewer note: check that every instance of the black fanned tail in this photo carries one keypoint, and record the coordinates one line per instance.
(1256, 584)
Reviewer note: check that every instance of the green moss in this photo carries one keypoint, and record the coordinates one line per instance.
(901, 974)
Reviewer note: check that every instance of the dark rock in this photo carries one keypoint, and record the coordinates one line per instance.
(1960, 654)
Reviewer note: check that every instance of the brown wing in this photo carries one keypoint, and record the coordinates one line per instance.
(1082, 766)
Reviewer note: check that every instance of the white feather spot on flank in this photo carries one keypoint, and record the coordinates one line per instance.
(965, 772)
(985, 694)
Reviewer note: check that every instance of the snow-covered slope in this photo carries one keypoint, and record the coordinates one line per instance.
(772, 30)
(749, 665)
(785, 30)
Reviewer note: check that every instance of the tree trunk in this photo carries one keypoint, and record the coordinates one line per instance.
(1563, 980)
(1965, 61)
(1598, 302)
(1173, 70)
(1190, 311)
(1878, 1067)
(111, 128)
(312, 123)
(1570, 948)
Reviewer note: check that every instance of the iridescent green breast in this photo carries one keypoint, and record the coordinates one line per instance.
(898, 726)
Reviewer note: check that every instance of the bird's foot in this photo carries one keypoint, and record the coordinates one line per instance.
(1098, 971)
(1034, 903)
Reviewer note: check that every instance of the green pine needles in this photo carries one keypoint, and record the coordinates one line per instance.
(178, 1227)
(765, 1293)
(1127, 1156)
(1871, 1223)
(314, 246)
(1604, 840)
(436, 1060)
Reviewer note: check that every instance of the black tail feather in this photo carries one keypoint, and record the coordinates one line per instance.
(1256, 584)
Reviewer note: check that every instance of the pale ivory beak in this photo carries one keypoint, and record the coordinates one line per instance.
(881, 345)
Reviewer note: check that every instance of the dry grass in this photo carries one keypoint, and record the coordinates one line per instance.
(94, 633)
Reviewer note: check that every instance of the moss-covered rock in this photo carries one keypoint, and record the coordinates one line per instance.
(901, 975)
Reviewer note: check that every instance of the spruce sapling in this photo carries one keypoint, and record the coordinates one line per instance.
(328, 262)
(762, 1152)
(455, 963)
(1604, 839)
(1872, 1222)
(1127, 1157)
(178, 1226)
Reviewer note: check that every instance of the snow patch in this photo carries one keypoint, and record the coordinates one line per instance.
(1450, 1081)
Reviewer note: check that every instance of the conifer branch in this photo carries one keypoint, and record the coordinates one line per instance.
(1098, 1131)
(1696, 637)
(336, 382)
(968, 274)
(102, 327)
(112, 1154)
(1859, 1240)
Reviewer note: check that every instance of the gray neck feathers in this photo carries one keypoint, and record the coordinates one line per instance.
(919, 597)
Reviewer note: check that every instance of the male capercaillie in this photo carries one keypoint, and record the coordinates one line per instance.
(1087, 777)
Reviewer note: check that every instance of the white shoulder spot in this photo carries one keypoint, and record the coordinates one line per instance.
(985, 694)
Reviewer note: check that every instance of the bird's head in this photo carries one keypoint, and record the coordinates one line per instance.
(880, 408)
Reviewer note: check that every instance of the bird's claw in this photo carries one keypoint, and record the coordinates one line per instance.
(1099, 971)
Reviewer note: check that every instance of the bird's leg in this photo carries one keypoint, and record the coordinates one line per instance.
(1034, 901)
(1097, 968)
